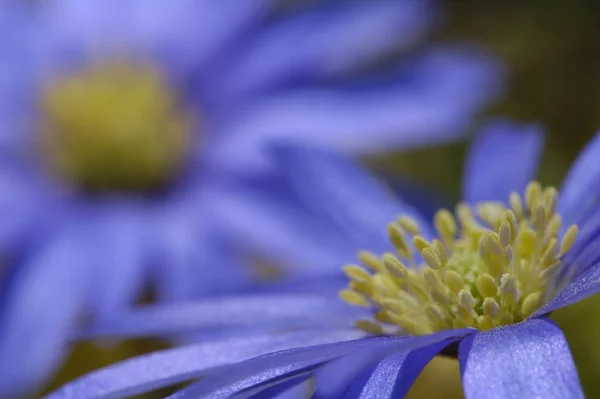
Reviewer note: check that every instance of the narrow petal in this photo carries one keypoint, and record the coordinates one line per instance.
(336, 188)
(504, 158)
(148, 27)
(394, 376)
(584, 285)
(191, 258)
(526, 360)
(165, 368)
(39, 311)
(269, 369)
(305, 245)
(323, 41)
(425, 103)
(119, 256)
(334, 378)
(580, 191)
(241, 312)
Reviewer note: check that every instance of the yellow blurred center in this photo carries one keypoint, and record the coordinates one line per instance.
(116, 126)
(487, 271)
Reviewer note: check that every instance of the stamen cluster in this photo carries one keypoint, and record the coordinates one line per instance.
(490, 266)
(114, 126)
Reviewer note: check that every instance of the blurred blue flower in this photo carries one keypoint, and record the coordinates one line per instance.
(516, 273)
(125, 125)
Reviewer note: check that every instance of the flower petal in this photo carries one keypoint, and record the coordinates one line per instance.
(119, 256)
(38, 312)
(269, 369)
(526, 360)
(334, 378)
(394, 376)
(303, 245)
(161, 369)
(323, 41)
(584, 285)
(241, 312)
(426, 104)
(504, 158)
(191, 256)
(338, 189)
(151, 28)
(580, 191)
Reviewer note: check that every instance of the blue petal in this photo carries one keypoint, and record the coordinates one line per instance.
(269, 369)
(161, 369)
(580, 191)
(584, 285)
(504, 158)
(39, 311)
(119, 255)
(336, 188)
(323, 42)
(237, 313)
(334, 378)
(394, 376)
(180, 35)
(265, 223)
(526, 360)
(192, 259)
(426, 104)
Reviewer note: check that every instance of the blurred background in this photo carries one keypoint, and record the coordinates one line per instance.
(552, 52)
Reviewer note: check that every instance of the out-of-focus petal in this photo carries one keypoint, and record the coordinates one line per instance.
(230, 314)
(190, 256)
(161, 369)
(119, 257)
(323, 41)
(280, 231)
(504, 158)
(84, 28)
(580, 190)
(336, 188)
(39, 311)
(269, 369)
(334, 378)
(525, 360)
(584, 285)
(425, 104)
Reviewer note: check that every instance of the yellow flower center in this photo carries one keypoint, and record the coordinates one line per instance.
(116, 126)
(483, 271)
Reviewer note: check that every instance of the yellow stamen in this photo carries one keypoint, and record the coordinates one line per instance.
(482, 272)
(116, 126)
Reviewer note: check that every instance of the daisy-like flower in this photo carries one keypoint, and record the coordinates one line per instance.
(478, 285)
(123, 122)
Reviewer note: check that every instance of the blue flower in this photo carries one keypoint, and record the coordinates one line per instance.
(482, 291)
(125, 123)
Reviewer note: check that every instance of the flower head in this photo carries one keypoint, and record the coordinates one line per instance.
(482, 291)
(126, 125)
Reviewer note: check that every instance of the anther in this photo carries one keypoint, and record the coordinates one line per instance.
(486, 285)
(409, 224)
(530, 303)
(353, 298)
(394, 265)
(516, 203)
(568, 239)
(357, 273)
(430, 257)
(504, 234)
(532, 194)
(371, 260)
(490, 308)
